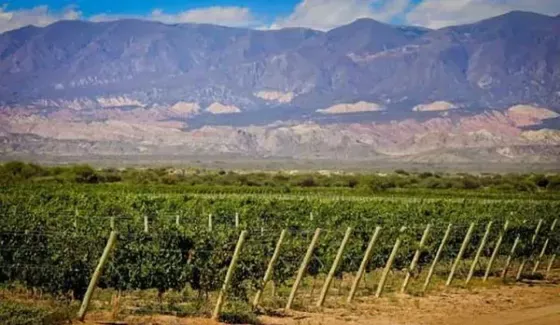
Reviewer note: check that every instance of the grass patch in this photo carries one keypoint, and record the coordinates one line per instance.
(20, 313)
(238, 312)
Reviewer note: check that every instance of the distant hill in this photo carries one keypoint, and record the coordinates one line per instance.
(142, 84)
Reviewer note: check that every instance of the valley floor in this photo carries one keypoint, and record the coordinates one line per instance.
(244, 164)
(505, 306)
(516, 304)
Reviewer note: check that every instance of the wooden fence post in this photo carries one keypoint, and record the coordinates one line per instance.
(510, 256)
(437, 257)
(549, 267)
(524, 259)
(460, 255)
(236, 220)
(302, 268)
(177, 220)
(363, 265)
(388, 265)
(229, 275)
(415, 259)
(479, 252)
(210, 222)
(496, 251)
(96, 275)
(270, 268)
(332, 271)
(543, 250)
(146, 224)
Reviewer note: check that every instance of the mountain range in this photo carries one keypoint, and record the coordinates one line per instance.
(487, 91)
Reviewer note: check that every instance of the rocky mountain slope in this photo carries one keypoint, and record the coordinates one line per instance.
(491, 135)
(484, 91)
(494, 63)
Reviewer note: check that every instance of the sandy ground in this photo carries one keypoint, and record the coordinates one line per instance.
(517, 304)
(505, 306)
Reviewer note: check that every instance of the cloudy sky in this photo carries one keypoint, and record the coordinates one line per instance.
(264, 14)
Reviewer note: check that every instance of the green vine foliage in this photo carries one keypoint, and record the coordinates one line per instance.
(52, 238)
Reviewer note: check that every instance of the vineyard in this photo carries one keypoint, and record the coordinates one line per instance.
(52, 238)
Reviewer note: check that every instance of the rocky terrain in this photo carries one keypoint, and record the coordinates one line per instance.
(491, 135)
(488, 91)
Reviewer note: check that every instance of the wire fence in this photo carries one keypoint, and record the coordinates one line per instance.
(174, 257)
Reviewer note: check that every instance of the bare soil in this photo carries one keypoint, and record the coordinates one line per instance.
(505, 305)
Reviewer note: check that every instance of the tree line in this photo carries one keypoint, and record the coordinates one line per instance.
(20, 172)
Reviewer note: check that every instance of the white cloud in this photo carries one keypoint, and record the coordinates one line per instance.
(38, 16)
(111, 17)
(316, 14)
(327, 14)
(42, 16)
(441, 13)
(226, 16)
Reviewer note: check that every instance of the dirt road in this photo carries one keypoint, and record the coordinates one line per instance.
(548, 315)
(517, 304)
(514, 305)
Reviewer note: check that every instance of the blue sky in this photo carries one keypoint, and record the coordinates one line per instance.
(317, 14)
(140, 7)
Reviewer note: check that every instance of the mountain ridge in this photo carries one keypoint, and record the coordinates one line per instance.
(229, 88)
(300, 56)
